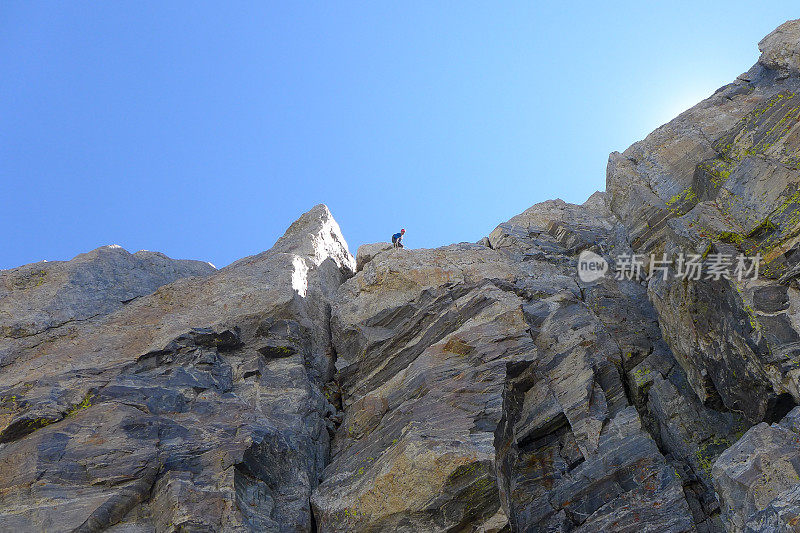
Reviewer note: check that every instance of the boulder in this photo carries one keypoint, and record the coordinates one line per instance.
(780, 50)
(415, 449)
(400, 275)
(758, 478)
(366, 252)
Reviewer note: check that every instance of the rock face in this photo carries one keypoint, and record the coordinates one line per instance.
(198, 406)
(367, 252)
(780, 50)
(481, 382)
(46, 295)
(758, 478)
(470, 388)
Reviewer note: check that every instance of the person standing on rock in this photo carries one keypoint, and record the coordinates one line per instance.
(397, 239)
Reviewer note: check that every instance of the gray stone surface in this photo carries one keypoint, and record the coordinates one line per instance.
(366, 252)
(722, 178)
(758, 478)
(780, 50)
(501, 378)
(49, 294)
(196, 407)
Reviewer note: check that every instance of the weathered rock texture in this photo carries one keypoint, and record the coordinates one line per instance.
(474, 387)
(198, 406)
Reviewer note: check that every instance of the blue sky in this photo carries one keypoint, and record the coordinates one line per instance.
(202, 130)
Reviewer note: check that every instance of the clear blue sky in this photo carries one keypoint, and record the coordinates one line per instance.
(203, 130)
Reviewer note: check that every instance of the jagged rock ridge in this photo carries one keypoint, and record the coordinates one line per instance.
(473, 387)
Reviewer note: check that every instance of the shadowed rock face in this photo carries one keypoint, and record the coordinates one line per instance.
(474, 387)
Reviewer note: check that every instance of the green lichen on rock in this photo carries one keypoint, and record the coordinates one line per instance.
(764, 227)
(81, 406)
(717, 170)
(708, 452)
(730, 237)
(759, 130)
(29, 280)
(682, 202)
(685, 195)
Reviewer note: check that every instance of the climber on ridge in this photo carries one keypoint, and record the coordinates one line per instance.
(397, 239)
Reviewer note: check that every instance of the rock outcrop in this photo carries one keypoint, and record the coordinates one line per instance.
(367, 252)
(758, 478)
(474, 387)
(47, 295)
(198, 406)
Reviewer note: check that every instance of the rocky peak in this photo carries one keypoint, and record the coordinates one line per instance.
(315, 237)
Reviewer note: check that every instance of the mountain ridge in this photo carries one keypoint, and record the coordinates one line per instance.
(471, 387)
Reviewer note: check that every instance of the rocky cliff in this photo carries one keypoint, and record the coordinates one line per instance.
(476, 387)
